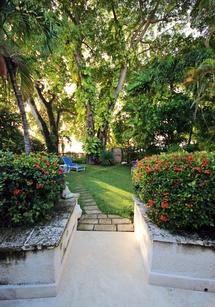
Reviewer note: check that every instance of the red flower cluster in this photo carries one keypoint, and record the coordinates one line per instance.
(150, 202)
(149, 170)
(164, 218)
(198, 169)
(177, 169)
(190, 158)
(164, 204)
(204, 162)
(17, 192)
(60, 171)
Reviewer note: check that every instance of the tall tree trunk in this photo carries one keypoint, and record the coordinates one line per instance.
(52, 121)
(43, 127)
(90, 121)
(103, 134)
(20, 103)
(135, 39)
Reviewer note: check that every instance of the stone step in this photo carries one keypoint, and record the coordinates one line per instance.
(102, 216)
(87, 199)
(89, 221)
(94, 211)
(121, 221)
(86, 227)
(105, 228)
(89, 216)
(113, 216)
(89, 208)
(105, 221)
(90, 204)
(125, 228)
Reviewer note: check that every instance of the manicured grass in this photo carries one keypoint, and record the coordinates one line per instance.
(110, 187)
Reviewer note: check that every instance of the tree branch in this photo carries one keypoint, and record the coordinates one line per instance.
(61, 111)
(114, 12)
(91, 49)
(48, 106)
(139, 34)
(40, 121)
(40, 87)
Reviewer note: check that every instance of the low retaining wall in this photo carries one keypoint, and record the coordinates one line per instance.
(32, 260)
(173, 260)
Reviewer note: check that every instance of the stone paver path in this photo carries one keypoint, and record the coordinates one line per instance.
(94, 220)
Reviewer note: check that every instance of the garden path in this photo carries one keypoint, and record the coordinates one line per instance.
(94, 220)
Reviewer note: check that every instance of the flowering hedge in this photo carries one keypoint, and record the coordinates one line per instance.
(178, 189)
(29, 187)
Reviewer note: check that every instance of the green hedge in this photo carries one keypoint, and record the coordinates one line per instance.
(29, 188)
(178, 189)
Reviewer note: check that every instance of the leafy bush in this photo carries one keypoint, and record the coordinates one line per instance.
(191, 148)
(10, 133)
(92, 147)
(178, 189)
(29, 188)
(107, 158)
(173, 148)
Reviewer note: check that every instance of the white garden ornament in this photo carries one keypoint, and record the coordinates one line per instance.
(67, 194)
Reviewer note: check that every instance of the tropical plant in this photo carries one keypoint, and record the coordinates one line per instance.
(20, 21)
(92, 147)
(107, 158)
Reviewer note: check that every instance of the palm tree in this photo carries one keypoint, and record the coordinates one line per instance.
(202, 80)
(12, 70)
(26, 17)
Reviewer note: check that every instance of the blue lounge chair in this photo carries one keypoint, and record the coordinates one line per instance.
(69, 165)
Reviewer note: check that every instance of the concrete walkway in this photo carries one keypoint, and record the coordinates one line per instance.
(94, 220)
(105, 269)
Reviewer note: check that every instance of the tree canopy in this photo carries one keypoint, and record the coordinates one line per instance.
(101, 69)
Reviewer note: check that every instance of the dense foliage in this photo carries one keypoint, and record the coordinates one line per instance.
(178, 189)
(98, 47)
(161, 109)
(107, 158)
(29, 188)
(11, 135)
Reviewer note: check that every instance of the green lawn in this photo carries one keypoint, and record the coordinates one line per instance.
(110, 187)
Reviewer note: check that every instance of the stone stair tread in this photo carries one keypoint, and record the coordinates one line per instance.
(121, 221)
(105, 221)
(87, 211)
(125, 227)
(89, 221)
(105, 228)
(87, 227)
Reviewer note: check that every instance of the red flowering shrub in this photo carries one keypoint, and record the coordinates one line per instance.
(29, 187)
(178, 189)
